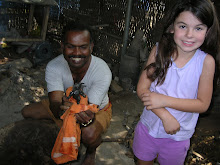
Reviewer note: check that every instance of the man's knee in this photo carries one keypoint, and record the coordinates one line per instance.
(91, 134)
(26, 112)
(34, 110)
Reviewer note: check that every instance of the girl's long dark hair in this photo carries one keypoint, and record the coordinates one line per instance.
(205, 12)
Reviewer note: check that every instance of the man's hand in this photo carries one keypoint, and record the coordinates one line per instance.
(82, 117)
(66, 104)
(85, 117)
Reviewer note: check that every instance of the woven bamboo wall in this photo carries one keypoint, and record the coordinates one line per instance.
(106, 16)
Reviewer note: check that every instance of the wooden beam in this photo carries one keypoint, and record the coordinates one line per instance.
(41, 2)
(23, 39)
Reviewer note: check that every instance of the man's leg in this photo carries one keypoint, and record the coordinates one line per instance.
(91, 138)
(35, 111)
(40, 110)
(91, 135)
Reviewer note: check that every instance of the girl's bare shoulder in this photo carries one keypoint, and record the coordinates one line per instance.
(209, 60)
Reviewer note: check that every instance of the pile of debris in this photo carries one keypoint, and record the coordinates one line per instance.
(19, 85)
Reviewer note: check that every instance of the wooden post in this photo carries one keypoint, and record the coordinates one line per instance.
(45, 22)
(127, 25)
(30, 19)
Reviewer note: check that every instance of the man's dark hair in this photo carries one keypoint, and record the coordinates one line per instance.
(76, 26)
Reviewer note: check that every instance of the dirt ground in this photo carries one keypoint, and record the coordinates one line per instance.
(30, 141)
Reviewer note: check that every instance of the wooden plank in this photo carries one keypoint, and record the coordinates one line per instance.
(23, 39)
(40, 2)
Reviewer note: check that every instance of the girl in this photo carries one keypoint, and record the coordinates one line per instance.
(177, 83)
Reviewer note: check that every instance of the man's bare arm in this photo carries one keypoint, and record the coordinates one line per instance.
(55, 99)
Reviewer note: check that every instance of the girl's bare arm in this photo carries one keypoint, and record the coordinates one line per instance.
(198, 105)
(171, 125)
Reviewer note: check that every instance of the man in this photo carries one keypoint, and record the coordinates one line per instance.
(77, 65)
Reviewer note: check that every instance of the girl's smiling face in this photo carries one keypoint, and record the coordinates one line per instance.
(189, 33)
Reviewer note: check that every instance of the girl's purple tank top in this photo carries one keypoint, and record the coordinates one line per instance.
(179, 83)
